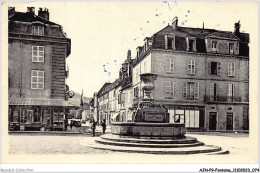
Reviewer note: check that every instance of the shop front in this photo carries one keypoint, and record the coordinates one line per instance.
(192, 116)
(37, 114)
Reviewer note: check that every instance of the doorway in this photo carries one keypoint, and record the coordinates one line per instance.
(229, 121)
(212, 120)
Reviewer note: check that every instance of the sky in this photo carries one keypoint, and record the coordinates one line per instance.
(102, 32)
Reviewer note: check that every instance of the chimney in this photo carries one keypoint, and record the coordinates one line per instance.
(129, 54)
(44, 13)
(175, 23)
(237, 28)
(31, 10)
(11, 11)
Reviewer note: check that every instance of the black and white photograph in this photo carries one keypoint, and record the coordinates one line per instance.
(130, 82)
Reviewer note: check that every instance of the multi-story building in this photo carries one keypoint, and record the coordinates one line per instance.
(203, 76)
(37, 52)
(114, 99)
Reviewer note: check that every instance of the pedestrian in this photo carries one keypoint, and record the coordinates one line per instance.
(66, 124)
(93, 127)
(71, 124)
(103, 124)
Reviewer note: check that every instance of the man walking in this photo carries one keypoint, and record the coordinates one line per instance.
(103, 124)
(93, 127)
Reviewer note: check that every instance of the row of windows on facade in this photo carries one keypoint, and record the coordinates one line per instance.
(38, 56)
(191, 44)
(190, 90)
(105, 96)
(215, 68)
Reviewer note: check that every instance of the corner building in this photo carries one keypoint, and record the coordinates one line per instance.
(37, 52)
(203, 76)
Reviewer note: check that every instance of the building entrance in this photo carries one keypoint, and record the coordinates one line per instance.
(212, 120)
(229, 121)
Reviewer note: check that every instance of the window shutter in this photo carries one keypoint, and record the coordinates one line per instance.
(196, 92)
(230, 90)
(215, 89)
(168, 63)
(172, 65)
(210, 67)
(229, 69)
(211, 89)
(194, 66)
(167, 88)
(219, 68)
(172, 89)
(233, 90)
(234, 69)
(185, 90)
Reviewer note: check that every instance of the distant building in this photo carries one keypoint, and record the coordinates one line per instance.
(203, 76)
(111, 104)
(37, 52)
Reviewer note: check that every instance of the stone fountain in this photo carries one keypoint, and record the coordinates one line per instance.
(150, 131)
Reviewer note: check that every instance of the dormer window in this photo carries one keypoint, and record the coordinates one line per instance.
(38, 30)
(191, 44)
(150, 42)
(231, 48)
(169, 42)
(214, 46)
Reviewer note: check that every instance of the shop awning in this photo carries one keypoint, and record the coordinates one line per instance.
(38, 102)
(115, 115)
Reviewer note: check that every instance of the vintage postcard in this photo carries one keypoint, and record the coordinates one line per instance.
(130, 82)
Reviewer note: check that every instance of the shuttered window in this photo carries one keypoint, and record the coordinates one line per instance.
(214, 68)
(231, 69)
(191, 90)
(231, 89)
(169, 89)
(212, 91)
(169, 65)
(191, 66)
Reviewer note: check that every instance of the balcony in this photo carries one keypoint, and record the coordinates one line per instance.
(221, 99)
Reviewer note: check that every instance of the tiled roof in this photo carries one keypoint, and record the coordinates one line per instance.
(201, 33)
(221, 34)
(38, 102)
(29, 17)
(102, 89)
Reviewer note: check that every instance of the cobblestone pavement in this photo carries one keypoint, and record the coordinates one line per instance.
(239, 145)
(35, 144)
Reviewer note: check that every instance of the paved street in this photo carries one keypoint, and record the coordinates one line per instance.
(237, 144)
(37, 144)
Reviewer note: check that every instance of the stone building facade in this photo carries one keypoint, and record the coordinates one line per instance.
(203, 76)
(37, 52)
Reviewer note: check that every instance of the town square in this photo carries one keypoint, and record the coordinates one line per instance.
(165, 81)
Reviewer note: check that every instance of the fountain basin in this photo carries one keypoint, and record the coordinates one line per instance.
(153, 130)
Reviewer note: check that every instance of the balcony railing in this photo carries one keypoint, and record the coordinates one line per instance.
(221, 99)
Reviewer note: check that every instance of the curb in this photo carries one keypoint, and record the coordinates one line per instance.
(52, 133)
